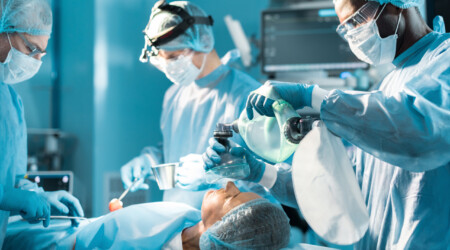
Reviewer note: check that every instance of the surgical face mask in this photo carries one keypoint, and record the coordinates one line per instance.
(18, 67)
(181, 71)
(366, 43)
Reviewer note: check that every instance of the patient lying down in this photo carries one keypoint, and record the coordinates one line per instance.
(228, 219)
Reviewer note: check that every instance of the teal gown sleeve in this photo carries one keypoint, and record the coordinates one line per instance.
(409, 129)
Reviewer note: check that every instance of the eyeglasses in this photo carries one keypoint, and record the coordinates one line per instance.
(34, 50)
(362, 16)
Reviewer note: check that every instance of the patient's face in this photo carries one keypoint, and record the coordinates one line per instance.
(217, 203)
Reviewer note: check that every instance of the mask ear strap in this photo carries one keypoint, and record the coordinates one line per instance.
(9, 40)
(379, 14)
(204, 62)
(399, 19)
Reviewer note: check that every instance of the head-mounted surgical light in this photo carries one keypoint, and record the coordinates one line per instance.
(152, 44)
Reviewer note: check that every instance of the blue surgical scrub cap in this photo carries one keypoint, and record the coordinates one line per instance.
(404, 4)
(30, 16)
(198, 37)
(257, 224)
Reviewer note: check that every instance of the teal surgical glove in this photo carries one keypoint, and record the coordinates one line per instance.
(298, 95)
(62, 202)
(212, 157)
(139, 167)
(32, 206)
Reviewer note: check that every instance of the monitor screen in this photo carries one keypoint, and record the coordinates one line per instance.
(52, 180)
(304, 39)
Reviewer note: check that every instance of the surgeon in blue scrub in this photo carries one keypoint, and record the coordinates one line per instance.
(25, 28)
(179, 41)
(401, 131)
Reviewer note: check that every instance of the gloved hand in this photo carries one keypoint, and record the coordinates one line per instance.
(62, 202)
(191, 174)
(32, 206)
(298, 95)
(211, 157)
(138, 167)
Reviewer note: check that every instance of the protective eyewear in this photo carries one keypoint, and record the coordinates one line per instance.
(364, 15)
(34, 49)
(159, 62)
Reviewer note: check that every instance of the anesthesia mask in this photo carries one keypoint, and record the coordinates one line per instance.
(231, 166)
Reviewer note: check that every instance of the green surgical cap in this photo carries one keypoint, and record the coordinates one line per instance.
(29, 16)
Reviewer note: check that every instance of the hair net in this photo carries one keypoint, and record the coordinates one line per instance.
(257, 224)
(404, 4)
(199, 37)
(30, 16)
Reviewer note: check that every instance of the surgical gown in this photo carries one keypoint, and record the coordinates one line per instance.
(402, 135)
(189, 117)
(13, 145)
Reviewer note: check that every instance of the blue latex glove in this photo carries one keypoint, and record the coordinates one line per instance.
(31, 205)
(298, 95)
(62, 202)
(138, 167)
(212, 157)
(191, 173)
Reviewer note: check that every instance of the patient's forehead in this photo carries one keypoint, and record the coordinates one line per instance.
(243, 198)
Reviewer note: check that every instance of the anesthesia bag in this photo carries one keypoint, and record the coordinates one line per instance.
(274, 139)
(265, 136)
